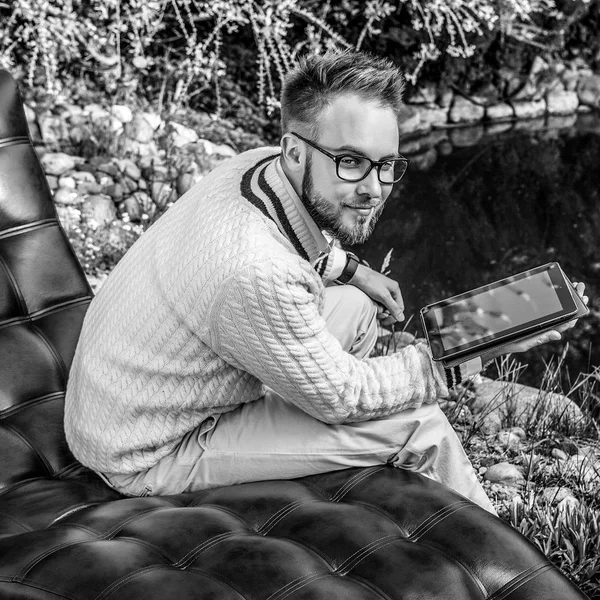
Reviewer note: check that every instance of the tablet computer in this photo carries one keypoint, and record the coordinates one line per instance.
(466, 325)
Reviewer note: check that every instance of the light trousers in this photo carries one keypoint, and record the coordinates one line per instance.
(273, 439)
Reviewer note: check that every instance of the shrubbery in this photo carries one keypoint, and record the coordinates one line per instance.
(211, 55)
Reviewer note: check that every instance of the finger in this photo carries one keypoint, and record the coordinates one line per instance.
(396, 304)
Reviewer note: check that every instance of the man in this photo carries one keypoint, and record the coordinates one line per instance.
(221, 350)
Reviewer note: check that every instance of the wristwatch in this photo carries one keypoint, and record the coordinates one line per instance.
(352, 262)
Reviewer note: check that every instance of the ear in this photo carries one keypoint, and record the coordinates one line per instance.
(292, 152)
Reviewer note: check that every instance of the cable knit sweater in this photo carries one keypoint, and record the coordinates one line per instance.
(216, 300)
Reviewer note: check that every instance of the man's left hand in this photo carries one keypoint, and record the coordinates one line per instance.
(383, 290)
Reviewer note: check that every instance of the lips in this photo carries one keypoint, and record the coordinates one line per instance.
(362, 210)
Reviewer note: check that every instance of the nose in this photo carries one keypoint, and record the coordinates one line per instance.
(370, 186)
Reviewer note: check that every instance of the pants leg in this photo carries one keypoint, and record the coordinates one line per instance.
(273, 439)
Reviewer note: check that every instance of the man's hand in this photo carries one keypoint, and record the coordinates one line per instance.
(383, 290)
(541, 338)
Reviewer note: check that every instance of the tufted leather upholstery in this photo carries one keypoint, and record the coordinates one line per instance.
(359, 533)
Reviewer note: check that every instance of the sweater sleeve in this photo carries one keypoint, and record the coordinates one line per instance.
(266, 321)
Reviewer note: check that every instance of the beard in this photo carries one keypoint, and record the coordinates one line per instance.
(328, 215)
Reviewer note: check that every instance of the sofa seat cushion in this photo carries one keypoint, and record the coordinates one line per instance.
(359, 533)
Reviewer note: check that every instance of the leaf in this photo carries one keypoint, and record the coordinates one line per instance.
(386, 262)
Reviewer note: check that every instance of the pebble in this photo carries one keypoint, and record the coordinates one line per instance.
(508, 439)
(99, 210)
(558, 454)
(67, 196)
(58, 163)
(505, 473)
(555, 494)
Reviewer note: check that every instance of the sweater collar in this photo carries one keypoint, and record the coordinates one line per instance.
(271, 191)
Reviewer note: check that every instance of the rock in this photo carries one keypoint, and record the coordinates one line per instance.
(500, 112)
(504, 473)
(444, 98)
(98, 210)
(508, 440)
(558, 454)
(110, 168)
(569, 503)
(67, 196)
(529, 109)
(140, 148)
(115, 191)
(557, 122)
(153, 119)
(129, 185)
(51, 129)
(132, 208)
(409, 124)
(435, 117)
(490, 423)
(462, 137)
(423, 142)
(98, 114)
(555, 494)
(465, 111)
(562, 103)
(139, 130)
(58, 163)
(424, 94)
(524, 404)
(66, 182)
(588, 90)
(162, 193)
(569, 447)
(145, 203)
(581, 468)
(182, 135)
(530, 125)
(129, 168)
(183, 183)
(89, 187)
(122, 112)
(496, 128)
(83, 176)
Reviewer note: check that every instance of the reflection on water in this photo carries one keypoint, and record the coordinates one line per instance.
(477, 205)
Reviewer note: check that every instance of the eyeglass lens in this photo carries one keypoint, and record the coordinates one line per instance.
(354, 168)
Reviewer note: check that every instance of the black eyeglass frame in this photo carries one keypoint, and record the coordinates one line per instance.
(337, 158)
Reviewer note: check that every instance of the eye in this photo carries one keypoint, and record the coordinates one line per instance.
(387, 166)
(351, 162)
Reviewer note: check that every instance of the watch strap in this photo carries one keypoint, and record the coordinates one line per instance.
(352, 263)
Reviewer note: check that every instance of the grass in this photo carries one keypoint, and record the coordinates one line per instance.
(558, 506)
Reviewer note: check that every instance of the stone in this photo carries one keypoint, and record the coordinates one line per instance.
(115, 191)
(89, 187)
(581, 468)
(145, 203)
(524, 404)
(57, 163)
(445, 97)
(562, 103)
(500, 112)
(69, 216)
(569, 447)
(66, 182)
(139, 148)
(162, 193)
(505, 473)
(110, 168)
(529, 109)
(122, 112)
(83, 176)
(98, 210)
(463, 137)
(181, 135)
(51, 129)
(588, 90)
(555, 494)
(131, 207)
(153, 119)
(409, 122)
(558, 122)
(184, 182)
(435, 117)
(465, 111)
(139, 130)
(570, 78)
(508, 440)
(67, 196)
(558, 454)
(98, 115)
(489, 424)
(129, 168)
(531, 125)
(424, 94)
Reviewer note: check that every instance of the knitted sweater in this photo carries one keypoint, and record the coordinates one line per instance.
(216, 300)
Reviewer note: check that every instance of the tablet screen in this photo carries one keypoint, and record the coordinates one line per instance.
(497, 310)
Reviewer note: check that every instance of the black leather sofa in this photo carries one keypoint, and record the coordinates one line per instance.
(373, 533)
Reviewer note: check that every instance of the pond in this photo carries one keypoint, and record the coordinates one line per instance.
(480, 204)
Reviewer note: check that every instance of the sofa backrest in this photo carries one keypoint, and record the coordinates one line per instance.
(43, 298)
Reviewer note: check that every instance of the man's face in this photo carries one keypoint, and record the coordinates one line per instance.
(350, 125)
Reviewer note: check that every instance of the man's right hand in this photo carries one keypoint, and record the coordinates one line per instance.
(383, 290)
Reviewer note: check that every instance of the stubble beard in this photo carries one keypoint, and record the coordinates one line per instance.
(328, 216)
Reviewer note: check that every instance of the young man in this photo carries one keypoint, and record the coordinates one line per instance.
(220, 350)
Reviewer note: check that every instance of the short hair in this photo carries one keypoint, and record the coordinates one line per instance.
(317, 80)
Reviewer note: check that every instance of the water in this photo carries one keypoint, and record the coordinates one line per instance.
(477, 205)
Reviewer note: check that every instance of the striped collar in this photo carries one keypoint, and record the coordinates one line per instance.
(266, 186)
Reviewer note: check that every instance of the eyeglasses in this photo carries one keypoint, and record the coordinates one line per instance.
(353, 167)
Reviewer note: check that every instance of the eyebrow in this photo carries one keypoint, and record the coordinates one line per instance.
(355, 150)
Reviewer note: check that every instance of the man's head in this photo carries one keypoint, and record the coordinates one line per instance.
(342, 103)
